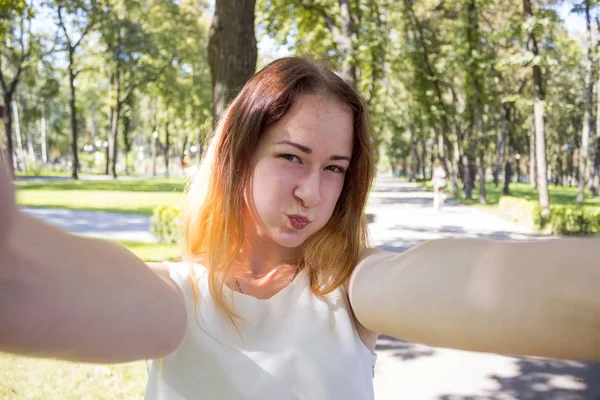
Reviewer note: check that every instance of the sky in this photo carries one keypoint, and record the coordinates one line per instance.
(575, 23)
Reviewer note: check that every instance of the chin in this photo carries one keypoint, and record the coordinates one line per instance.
(290, 240)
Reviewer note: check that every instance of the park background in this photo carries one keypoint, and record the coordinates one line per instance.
(107, 105)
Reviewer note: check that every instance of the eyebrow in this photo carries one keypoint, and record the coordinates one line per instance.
(308, 150)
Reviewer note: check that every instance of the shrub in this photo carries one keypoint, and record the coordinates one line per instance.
(519, 210)
(574, 220)
(164, 224)
(567, 220)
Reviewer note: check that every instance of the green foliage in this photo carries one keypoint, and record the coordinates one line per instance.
(569, 220)
(519, 210)
(164, 224)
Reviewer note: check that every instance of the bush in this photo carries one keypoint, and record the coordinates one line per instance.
(519, 210)
(164, 224)
(569, 220)
(573, 220)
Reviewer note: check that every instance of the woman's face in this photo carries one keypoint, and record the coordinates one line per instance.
(298, 170)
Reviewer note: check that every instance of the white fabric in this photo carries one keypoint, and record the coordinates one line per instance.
(297, 346)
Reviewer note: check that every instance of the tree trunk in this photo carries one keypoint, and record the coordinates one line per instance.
(348, 44)
(414, 156)
(167, 149)
(8, 132)
(481, 173)
(587, 114)
(231, 51)
(114, 142)
(20, 150)
(595, 173)
(507, 177)
(532, 160)
(538, 111)
(467, 181)
(43, 135)
(558, 180)
(111, 111)
(74, 154)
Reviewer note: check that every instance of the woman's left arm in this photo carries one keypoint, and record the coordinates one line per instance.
(536, 298)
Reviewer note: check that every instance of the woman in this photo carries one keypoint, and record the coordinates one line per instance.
(280, 296)
(438, 180)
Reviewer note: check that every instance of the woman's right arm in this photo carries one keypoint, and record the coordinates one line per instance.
(82, 299)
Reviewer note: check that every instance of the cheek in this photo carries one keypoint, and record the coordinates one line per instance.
(271, 185)
(334, 191)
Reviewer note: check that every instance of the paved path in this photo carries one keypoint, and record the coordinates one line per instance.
(98, 223)
(402, 216)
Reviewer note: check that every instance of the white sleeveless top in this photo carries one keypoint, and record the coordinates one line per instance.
(297, 346)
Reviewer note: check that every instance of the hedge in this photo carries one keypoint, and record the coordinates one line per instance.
(164, 224)
(569, 220)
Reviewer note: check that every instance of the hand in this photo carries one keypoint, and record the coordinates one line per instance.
(7, 199)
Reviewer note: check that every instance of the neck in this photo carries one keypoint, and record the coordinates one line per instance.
(260, 255)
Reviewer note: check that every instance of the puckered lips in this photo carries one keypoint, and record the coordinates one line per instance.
(298, 221)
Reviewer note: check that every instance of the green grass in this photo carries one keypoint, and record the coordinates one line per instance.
(563, 195)
(30, 378)
(32, 174)
(123, 196)
(152, 251)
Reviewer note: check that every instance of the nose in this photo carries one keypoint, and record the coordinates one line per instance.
(308, 190)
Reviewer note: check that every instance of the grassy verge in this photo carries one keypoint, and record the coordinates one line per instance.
(563, 195)
(30, 378)
(151, 251)
(521, 207)
(126, 196)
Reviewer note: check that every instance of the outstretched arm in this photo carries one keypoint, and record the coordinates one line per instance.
(80, 299)
(537, 298)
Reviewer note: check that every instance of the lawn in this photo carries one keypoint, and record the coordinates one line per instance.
(30, 378)
(138, 196)
(564, 195)
(152, 251)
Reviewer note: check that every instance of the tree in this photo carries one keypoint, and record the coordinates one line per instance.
(15, 50)
(231, 50)
(587, 116)
(538, 110)
(80, 23)
(139, 48)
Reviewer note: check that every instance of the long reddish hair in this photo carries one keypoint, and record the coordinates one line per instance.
(212, 227)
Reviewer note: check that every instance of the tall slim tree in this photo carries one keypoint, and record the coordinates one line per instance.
(16, 46)
(589, 99)
(231, 50)
(538, 111)
(79, 24)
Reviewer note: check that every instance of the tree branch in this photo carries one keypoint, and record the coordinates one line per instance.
(319, 10)
(62, 25)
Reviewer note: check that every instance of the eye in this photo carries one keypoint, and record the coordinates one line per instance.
(336, 169)
(291, 157)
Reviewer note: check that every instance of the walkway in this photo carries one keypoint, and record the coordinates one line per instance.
(402, 215)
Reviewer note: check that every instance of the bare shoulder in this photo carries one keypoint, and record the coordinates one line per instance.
(160, 268)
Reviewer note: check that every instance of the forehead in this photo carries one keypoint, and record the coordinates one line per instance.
(322, 123)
